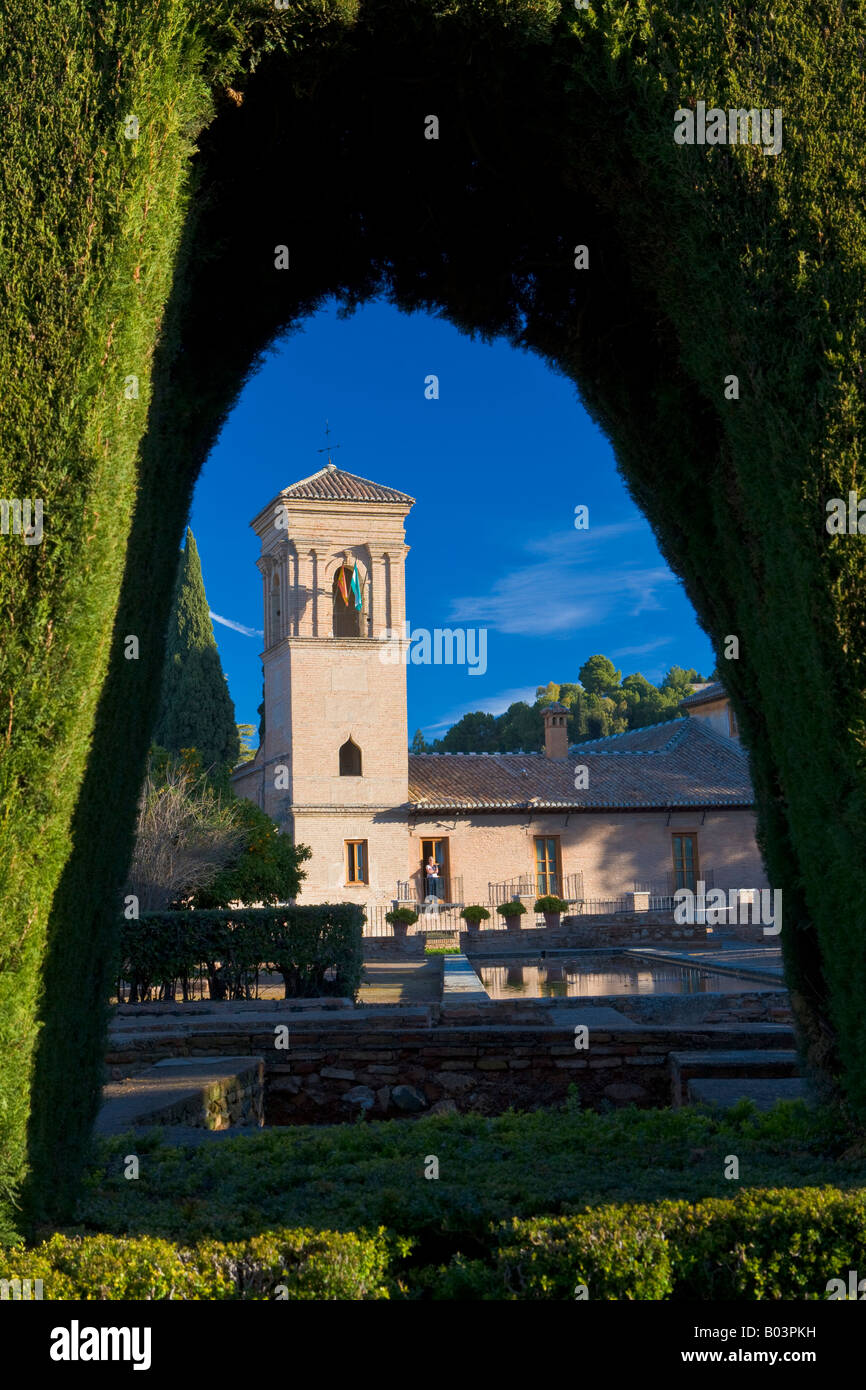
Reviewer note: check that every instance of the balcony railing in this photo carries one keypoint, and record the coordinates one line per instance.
(569, 887)
(668, 884)
(410, 892)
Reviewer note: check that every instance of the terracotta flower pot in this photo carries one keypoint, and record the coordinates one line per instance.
(552, 919)
(513, 923)
(400, 929)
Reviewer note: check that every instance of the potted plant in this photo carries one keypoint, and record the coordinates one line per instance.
(401, 919)
(512, 912)
(474, 915)
(552, 907)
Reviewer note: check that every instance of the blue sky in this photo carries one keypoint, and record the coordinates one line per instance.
(497, 466)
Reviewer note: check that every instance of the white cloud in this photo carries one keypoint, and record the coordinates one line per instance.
(641, 651)
(236, 627)
(493, 704)
(580, 579)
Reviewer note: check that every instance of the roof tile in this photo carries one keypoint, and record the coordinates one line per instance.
(679, 763)
(332, 484)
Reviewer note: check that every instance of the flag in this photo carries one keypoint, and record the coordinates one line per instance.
(341, 584)
(356, 587)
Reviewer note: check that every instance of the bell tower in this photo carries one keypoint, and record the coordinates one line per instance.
(333, 768)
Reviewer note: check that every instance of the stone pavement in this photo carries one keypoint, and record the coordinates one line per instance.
(401, 982)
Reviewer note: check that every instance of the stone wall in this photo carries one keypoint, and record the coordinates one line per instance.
(393, 948)
(573, 933)
(329, 1077)
(673, 1010)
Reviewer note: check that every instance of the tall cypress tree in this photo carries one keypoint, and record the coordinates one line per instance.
(196, 709)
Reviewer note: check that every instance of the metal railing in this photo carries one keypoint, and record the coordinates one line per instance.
(411, 892)
(569, 887)
(667, 885)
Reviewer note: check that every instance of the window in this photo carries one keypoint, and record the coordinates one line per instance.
(356, 861)
(275, 610)
(732, 723)
(546, 865)
(347, 618)
(685, 861)
(350, 759)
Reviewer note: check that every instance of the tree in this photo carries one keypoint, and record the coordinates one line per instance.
(266, 870)
(521, 729)
(418, 744)
(196, 709)
(474, 733)
(678, 682)
(599, 676)
(185, 835)
(246, 733)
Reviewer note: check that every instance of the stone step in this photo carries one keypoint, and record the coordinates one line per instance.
(740, 1063)
(174, 1008)
(200, 1092)
(765, 1091)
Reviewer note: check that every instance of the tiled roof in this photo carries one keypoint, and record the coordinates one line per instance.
(333, 484)
(679, 763)
(714, 691)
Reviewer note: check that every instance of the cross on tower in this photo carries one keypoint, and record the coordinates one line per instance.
(328, 446)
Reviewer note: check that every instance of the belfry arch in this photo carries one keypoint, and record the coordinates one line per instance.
(300, 156)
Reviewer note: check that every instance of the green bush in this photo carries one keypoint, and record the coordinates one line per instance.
(777, 1244)
(402, 914)
(512, 909)
(302, 944)
(293, 1264)
(474, 914)
(550, 903)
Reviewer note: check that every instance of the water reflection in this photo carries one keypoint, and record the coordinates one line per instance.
(572, 979)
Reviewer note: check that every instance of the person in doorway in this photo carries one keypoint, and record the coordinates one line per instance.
(434, 882)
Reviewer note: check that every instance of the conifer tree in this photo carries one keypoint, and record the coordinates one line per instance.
(196, 709)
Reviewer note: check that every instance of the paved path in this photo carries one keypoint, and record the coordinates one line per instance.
(402, 982)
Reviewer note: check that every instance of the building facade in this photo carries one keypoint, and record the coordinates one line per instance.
(650, 810)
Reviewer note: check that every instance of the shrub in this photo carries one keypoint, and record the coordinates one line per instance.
(401, 914)
(777, 1244)
(474, 913)
(550, 903)
(512, 909)
(303, 944)
(293, 1264)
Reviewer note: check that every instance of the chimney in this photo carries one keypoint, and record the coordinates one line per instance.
(555, 731)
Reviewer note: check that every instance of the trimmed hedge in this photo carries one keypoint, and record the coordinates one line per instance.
(303, 944)
(777, 1244)
(300, 1264)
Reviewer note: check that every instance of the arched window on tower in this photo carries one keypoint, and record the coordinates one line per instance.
(350, 759)
(276, 632)
(347, 618)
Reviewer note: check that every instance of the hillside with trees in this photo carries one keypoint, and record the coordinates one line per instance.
(600, 703)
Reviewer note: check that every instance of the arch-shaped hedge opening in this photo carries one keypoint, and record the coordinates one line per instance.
(714, 326)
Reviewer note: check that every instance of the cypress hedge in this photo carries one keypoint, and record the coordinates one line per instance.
(140, 288)
(316, 949)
